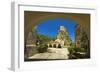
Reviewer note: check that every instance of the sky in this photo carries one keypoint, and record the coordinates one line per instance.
(51, 27)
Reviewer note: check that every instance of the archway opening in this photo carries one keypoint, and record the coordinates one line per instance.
(59, 30)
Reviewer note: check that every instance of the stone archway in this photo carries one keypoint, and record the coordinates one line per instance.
(31, 19)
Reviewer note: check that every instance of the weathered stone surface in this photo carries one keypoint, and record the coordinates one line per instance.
(53, 53)
(62, 39)
(62, 51)
(30, 38)
(63, 36)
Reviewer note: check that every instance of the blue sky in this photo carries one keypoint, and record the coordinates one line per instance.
(50, 27)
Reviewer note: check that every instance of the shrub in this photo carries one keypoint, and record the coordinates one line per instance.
(75, 53)
(42, 48)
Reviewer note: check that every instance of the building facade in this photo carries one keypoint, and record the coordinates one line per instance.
(62, 39)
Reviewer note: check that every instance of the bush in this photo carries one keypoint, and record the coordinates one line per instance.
(80, 49)
(71, 50)
(75, 53)
(42, 48)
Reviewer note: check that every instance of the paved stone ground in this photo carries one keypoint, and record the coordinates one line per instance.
(52, 53)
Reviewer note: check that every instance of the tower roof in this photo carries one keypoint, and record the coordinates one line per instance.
(62, 28)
